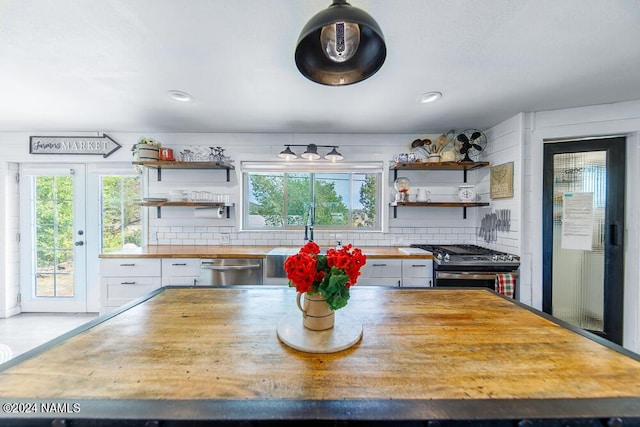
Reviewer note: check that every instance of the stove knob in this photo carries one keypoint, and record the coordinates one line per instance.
(439, 256)
(494, 258)
(446, 258)
(510, 258)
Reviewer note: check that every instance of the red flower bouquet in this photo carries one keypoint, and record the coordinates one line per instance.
(332, 274)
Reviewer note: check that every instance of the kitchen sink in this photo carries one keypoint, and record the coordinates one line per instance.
(275, 261)
(276, 257)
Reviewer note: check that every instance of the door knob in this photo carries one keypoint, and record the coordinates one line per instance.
(79, 243)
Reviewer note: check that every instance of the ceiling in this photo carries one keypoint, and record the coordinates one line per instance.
(107, 65)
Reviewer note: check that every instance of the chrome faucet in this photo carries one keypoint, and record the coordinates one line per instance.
(308, 229)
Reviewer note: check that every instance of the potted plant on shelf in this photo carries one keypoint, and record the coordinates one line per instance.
(147, 149)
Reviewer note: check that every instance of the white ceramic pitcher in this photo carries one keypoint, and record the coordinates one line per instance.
(423, 195)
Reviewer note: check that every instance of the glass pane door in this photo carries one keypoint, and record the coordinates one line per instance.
(53, 239)
(583, 234)
(578, 264)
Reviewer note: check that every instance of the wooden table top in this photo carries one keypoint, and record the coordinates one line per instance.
(425, 354)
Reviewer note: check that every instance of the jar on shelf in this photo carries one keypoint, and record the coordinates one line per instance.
(467, 193)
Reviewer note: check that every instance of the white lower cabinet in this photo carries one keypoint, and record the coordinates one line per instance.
(397, 272)
(417, 273)
(381, 272)
(180, 271)
(123, 280)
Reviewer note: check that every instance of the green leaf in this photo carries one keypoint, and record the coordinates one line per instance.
(321, 263)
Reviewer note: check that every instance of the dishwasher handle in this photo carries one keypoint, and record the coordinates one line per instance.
(470, 275)
(210, 266)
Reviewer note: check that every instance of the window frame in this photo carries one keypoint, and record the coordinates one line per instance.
(376, 168)
(101, 199)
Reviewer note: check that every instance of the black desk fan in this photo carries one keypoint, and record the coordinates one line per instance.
(470, 143)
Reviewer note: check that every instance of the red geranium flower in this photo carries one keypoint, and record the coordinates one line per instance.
(332, 274)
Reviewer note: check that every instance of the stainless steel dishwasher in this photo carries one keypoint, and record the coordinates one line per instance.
(225, 272)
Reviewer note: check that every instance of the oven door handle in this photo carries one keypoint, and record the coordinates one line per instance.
(469, 275)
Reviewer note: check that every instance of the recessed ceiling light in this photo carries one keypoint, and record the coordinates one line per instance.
(179, 95)
(427, 97)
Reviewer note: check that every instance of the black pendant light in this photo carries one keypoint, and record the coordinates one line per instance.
(340, 45)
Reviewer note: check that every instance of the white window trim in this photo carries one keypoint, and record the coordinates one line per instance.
(310, 166)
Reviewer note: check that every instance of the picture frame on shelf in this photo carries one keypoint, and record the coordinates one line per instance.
(501, 182)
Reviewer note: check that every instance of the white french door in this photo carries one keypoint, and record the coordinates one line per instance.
(53, 230)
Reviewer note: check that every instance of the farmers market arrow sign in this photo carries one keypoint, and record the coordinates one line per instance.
(102, 145)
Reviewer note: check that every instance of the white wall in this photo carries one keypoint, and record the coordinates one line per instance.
(599, 120)
(505, 144)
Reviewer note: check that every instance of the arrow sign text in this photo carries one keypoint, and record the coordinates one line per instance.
(102, 145)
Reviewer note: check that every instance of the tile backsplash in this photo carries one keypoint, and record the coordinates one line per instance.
(225, 235)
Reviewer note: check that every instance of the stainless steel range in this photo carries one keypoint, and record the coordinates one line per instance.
(469, 265)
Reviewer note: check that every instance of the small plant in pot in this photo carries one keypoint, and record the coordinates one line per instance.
(147, 149)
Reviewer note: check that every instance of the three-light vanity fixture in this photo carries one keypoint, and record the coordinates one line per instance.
(311, 152)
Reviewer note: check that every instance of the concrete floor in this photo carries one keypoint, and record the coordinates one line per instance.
(25, 331)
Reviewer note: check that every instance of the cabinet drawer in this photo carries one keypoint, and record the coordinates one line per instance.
(417, 282)
(132, 282)
(180, 281)
(379, 268)
(379, 281)
(121, 291)
(417, 268)
(177, 267)
(130, 267)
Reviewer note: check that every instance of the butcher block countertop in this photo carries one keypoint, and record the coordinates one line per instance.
(201, 251)
(213, 354)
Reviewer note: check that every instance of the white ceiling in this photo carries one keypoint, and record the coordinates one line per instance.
(106, 65)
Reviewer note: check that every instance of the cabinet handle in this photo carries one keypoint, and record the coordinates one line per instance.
(127, 283)
(179, 264)
(378, 265)
(127, 265)
(418, 265)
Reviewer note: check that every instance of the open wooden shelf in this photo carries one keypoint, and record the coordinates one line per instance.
(426, 166)
(167, 204)
(463, 205)
(164, 164)
(441, 204)
(439, 165)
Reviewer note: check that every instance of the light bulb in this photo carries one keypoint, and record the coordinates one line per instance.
(340, 40)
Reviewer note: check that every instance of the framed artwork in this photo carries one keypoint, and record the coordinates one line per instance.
(502, 181)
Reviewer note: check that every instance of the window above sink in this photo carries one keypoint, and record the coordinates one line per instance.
(299, 196)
